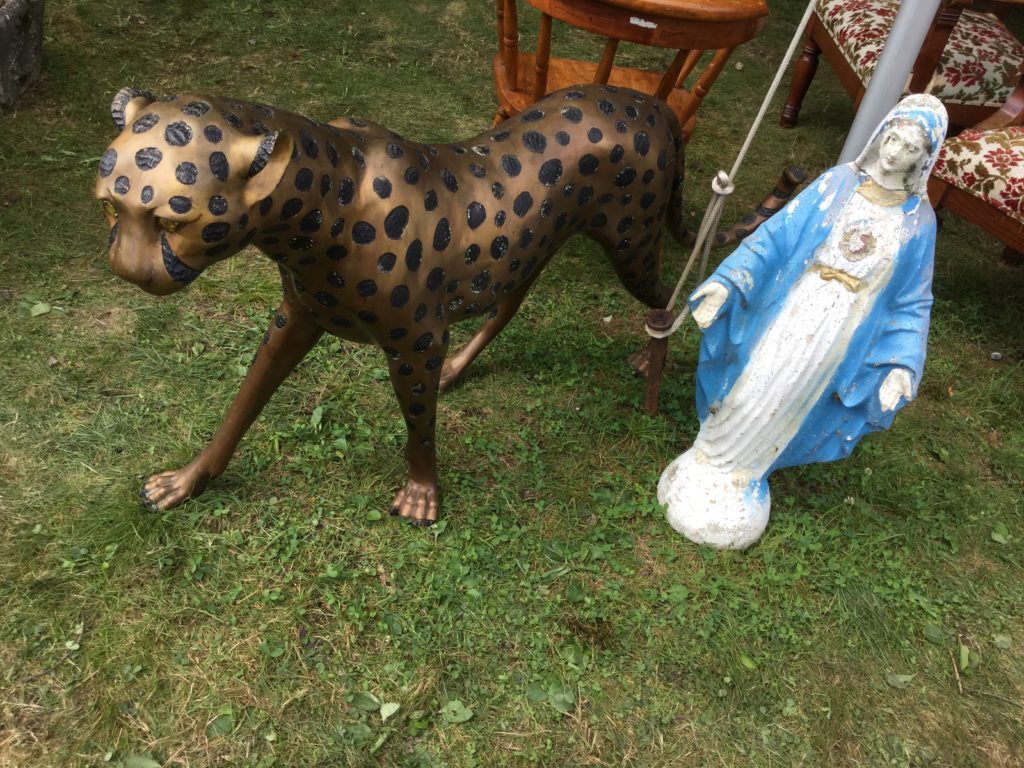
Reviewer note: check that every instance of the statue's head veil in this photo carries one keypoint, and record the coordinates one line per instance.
(927, 113)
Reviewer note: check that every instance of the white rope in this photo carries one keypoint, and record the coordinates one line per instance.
(722, 186)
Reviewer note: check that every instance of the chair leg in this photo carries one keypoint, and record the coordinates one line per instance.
(803, 73)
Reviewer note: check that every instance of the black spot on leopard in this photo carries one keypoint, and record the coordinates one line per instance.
(216, 232)
(213, 134)
(366, 288)
(394, 151)
(107, 162)
(290, 208)
(652, 120)
(588, 164)
(337, 252)
(430, 200)
(301, 243)
(335, 279)
(178, 134)
(449, 180)
(594, 135)
(399, 333)
(219, 166)
(421, 312)
(532, 116)
(231, 119)
(497, 190)
(149, 158)
(363, 232)
(472, 253)
(337, 226)
(631, 112)
(359, 157)
(562, 138)
(414, 255)
(442, 235)
(535, 141)
(304, 180)
(399, 296)
(572, 114)
(648, 176)
(411, 175)
(424, 342)
(499, 247)
(147, 195)
(641, 143)
(346, 191)
(325, 185)
(312, 221)
(396, 221)
(523, 203)
(647, 200)
(122, 185)
(621, 126)
(545, 209)
(550, 172)
(477, 170)
(526, 238)
(617, 153)
(145, 122)
(511, 165)
(186, 173)
(218, 206)
(386, 262)
(606, 106)
(435, 278)
(332, 154)
(586, 193)
(196, 108)
(475, 215)
(309, 145)
(325, 299)
(180, 204)
(499, 218)
(624, 225)
(382, 186)
(501, 136)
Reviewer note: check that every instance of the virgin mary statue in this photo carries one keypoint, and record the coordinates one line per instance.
(814, 330)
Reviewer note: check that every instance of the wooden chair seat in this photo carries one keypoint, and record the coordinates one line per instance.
(692, 27)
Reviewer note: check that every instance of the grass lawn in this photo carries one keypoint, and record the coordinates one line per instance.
(552, 618)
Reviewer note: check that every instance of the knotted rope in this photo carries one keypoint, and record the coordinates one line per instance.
(722, 186)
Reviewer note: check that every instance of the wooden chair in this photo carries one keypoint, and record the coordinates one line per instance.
(979, 176)
(689, 26)
(968, 59)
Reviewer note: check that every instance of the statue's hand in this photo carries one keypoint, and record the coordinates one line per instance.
(712, 296)
(897, 384)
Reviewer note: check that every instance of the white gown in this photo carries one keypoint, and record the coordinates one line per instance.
(803, 347)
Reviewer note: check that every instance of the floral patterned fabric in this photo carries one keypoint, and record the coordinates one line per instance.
(988, 165)
(978, 66)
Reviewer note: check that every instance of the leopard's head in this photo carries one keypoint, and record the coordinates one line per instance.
(179, 185)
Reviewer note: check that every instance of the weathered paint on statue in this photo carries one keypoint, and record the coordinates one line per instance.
(815, 330)
(383, 240)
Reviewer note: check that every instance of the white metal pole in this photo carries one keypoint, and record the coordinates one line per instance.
(908, 32)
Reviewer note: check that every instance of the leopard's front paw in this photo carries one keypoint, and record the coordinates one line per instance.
(417, 502)
(169, 489)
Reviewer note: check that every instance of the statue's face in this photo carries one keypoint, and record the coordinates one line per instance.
(902, 148)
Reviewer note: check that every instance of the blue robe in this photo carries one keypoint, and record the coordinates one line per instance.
(893, 334)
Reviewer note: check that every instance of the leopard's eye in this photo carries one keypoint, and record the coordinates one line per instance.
(169, 225)
(109, 209)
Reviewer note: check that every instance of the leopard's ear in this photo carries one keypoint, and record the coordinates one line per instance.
(127, 104)
(268, 157)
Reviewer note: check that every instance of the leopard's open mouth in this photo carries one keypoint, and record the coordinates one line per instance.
(179, 271)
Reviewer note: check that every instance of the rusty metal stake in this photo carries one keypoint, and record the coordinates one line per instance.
(660, 321)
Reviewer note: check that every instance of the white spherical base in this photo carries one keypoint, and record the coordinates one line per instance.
(728, 510)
